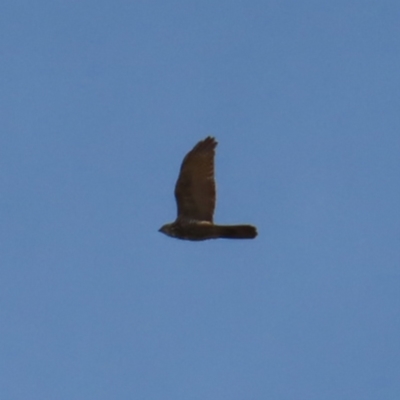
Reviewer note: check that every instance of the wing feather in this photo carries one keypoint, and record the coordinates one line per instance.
(195, 191)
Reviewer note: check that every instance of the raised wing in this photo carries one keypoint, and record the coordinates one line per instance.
(195, 188)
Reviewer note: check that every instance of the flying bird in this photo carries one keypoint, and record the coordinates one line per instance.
(195, 196)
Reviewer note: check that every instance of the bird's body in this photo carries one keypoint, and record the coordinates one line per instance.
(203, 230)
(195, 196)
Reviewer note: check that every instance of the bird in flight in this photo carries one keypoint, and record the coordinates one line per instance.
(195, 196)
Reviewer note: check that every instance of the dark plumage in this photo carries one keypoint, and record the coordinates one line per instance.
(195, 197)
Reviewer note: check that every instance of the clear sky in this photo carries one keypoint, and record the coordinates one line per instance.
(100, 101)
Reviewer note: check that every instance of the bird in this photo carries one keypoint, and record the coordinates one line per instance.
(195, 195)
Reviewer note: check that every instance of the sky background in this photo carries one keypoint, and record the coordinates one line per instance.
(99, 103)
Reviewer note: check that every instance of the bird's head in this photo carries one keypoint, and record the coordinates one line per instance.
(168, 229)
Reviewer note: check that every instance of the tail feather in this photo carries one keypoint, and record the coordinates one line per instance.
(237, 231)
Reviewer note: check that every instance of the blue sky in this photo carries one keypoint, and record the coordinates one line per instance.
(100, 101)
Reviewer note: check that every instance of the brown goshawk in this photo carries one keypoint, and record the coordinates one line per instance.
(195, 197)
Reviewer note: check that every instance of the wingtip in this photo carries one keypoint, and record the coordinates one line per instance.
(209, 141)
